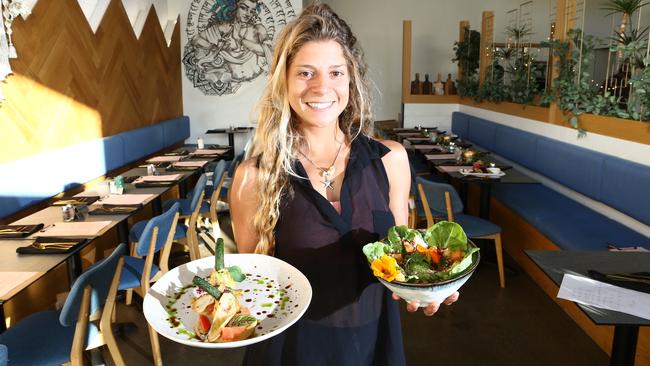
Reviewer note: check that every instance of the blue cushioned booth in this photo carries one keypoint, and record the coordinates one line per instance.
(618, 183)
(36, 178)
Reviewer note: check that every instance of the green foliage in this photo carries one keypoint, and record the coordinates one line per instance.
(572, 89)
(623, 6)
(467, 53)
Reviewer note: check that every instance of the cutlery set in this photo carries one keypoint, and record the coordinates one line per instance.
(63, 245)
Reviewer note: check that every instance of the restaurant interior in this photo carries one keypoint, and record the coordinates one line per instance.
(526, 124)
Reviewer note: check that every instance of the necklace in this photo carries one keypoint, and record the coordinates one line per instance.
(326, 173)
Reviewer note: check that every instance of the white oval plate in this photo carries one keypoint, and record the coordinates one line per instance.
(275, 292)
(489, 175)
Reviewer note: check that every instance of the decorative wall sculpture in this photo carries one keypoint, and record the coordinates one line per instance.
(230, 41)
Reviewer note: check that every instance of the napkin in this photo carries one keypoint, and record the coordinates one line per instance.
(35, 249)
(18, 231)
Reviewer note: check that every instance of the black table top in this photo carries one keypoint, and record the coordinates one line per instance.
(556, 263)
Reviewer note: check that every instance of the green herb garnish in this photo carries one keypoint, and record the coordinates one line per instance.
(207, 287)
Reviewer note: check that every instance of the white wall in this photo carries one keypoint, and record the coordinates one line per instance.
(211, 111)
(378, 26)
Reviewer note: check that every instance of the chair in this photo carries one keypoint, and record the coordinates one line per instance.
(54, 338)
(139, 269)
(441, 200)
(227, 181)
(214, 192)
(3, 355)
(189, 209)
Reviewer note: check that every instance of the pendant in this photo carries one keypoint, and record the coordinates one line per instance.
(327, 179)
(327, 182)
(327, 175)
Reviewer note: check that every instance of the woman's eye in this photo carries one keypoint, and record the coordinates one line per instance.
(337, 73)
(305, 74)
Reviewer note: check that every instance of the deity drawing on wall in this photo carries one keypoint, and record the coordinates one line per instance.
(230, 41)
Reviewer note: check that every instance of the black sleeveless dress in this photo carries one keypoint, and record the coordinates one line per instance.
(352, 319)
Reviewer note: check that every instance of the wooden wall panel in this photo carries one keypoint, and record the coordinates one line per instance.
(70, 85)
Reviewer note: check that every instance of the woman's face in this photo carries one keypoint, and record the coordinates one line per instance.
(318, 83)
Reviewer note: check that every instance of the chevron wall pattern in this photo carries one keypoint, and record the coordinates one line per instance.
(71, 84)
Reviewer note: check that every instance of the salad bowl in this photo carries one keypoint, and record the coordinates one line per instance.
(424, 266)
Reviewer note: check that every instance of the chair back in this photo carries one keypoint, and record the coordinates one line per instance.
(3, 355)
(197, 193)
(99, 278)
(235, 162)
(435, 196)
(166, 224)
(218, 178)
(432, 195)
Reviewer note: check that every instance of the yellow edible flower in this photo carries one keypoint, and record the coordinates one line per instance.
(385, 267)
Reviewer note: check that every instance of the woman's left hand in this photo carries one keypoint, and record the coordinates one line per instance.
(429, 309)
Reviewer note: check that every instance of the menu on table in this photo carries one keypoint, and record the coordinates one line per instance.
(74, 229)
(159, 178)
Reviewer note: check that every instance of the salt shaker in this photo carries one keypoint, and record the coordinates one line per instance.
(199, 143)
(151, 169)
(68, 212)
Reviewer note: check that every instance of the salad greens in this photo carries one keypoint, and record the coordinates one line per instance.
(407, 256)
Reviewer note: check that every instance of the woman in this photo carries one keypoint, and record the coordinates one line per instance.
(315, 189)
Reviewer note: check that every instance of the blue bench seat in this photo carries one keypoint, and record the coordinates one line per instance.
(34, 179)
(567, 223)
(615, 182)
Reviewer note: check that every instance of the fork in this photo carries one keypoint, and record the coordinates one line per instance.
(53, 245)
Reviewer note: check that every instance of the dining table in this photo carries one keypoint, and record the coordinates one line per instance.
(555, 264)
(457, 171)
(231, 132)
(19, 271)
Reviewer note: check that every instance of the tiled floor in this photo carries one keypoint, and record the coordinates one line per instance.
(518, 325)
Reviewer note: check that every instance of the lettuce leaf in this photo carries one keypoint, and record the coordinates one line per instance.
(375, 250)
(395, 236)
(464, 263)
(446, 234)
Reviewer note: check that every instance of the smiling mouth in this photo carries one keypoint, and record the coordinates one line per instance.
(319, 105)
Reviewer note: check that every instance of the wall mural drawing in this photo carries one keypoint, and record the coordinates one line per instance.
(230, 41)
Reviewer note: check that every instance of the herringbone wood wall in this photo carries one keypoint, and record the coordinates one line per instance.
(70, 85)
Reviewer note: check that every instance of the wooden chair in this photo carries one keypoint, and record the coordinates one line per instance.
(49, 338)
(441, 200)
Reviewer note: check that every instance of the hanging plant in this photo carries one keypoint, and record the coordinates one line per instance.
(573, 90)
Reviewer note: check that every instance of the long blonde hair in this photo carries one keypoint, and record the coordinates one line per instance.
(277, 140)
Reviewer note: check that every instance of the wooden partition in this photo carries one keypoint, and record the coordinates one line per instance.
(70, 85)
